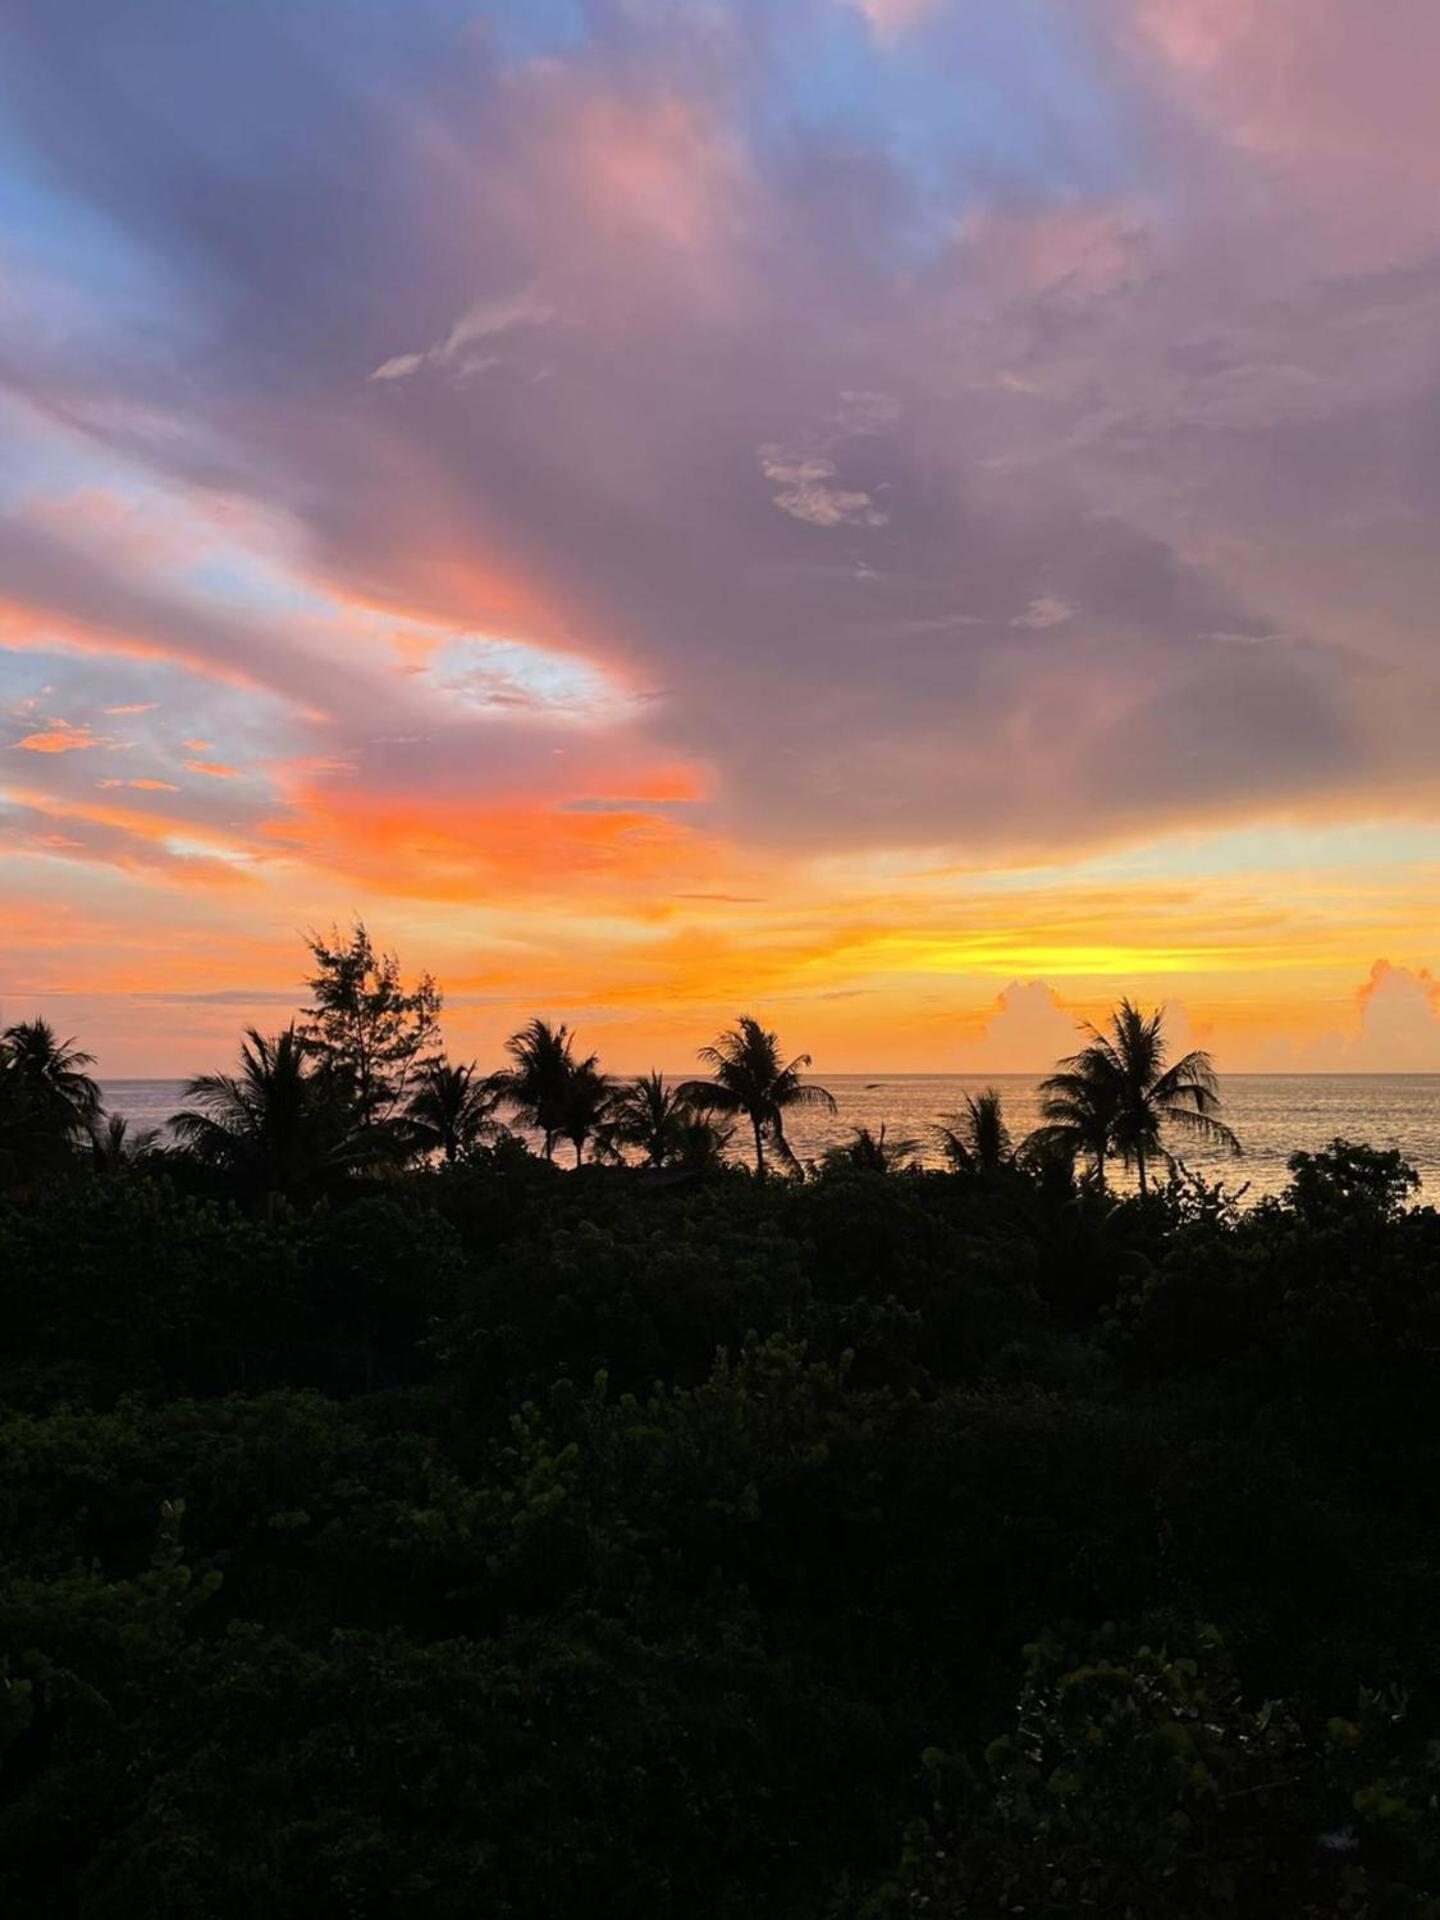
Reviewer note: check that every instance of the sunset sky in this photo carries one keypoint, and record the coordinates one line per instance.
(912, 517)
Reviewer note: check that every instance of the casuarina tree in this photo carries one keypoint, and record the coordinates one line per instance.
(366, 1031)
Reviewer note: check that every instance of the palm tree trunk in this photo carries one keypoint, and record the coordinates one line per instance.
(1140, 1164)
(579, 1149)
(759, 1145)
(1100, 1169)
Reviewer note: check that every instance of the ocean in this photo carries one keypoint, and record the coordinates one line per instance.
(1273, 1113)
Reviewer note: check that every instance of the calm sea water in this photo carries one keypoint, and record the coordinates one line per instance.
(1274, 1114)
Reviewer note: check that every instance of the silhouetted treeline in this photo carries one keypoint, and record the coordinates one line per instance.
(423, 1528)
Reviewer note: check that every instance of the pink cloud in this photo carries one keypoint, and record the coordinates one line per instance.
(1335, 99)
(892, 17)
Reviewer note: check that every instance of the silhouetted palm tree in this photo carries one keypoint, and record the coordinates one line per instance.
(867, 1152)
(976, 1139)
(113, 1146)
(1122, 1078)
(585, 1105)
(750, 1078)
(453, 1108)
(704, 1142)
(537, 1085)
(275, 1126)
(46, 1079)
(1079, 1106)
(648, 1115)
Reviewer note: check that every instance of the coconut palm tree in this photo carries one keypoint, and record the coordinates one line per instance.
(648, 1115)
(704, 1143)
(1122, 1078)
(453, 1108)
(751, 1079)
(114, 1147)
(1078, 1105)
(536, 1087)
(585, 1105)
(45, 1078)
(976, 1139)
(867, 1152)
(275, 1125)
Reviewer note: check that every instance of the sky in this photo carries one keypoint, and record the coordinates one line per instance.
(913, 518)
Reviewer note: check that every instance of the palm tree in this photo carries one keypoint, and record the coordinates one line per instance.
(1078, 1106)
(536, 1087)
(585, 1104)
(453, 1108)
(703, 1144)
(977, 1138)
(1122, 1077)
(652, 1117)
(45, 1078)
(112, 1145)
(867, 1152)
(751, 1079)
(275, 1126)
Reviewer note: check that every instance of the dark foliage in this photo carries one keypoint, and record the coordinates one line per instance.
(640, 1541)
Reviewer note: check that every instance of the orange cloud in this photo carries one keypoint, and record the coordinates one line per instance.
(42, 629)
(520, 846)
(61, 738)
(111, 835)
(213, 768)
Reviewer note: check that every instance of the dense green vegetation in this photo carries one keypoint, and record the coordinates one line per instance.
(449, 1534)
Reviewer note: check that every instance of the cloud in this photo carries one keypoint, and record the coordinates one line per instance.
(1399, 1029)
(1043, 611)
(827, 374)
(964, 402)
(399, 366)
(1028, 1030)
(61, 738)
(485, 321)
(893, 17)
(805, 492)
(1299, 87)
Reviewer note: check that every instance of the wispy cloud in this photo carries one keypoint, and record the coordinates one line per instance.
(487, 320)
